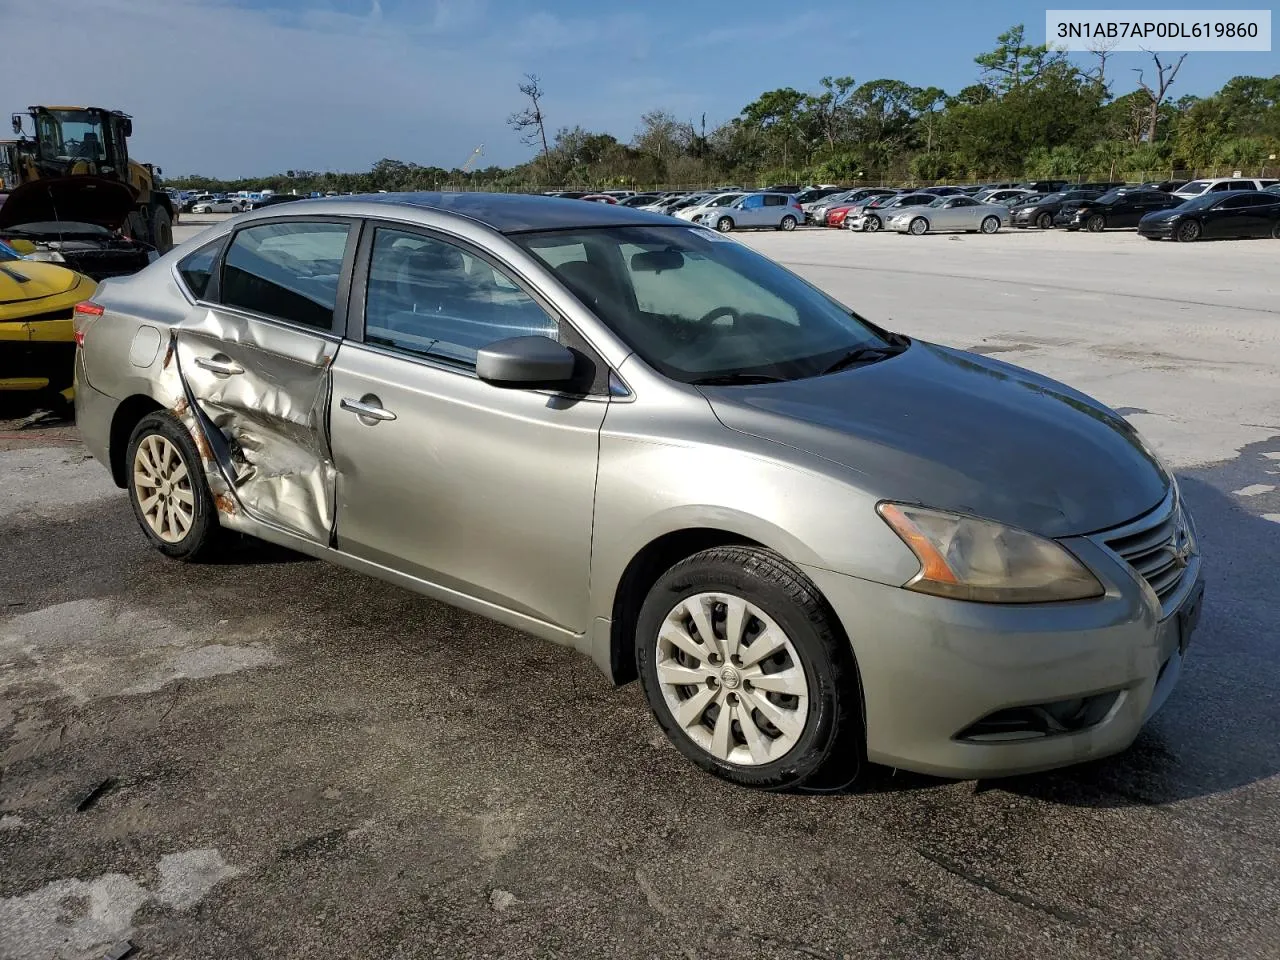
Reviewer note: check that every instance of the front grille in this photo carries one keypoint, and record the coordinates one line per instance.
(1158, 547)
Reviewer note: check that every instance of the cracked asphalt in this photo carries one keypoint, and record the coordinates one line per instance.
(269, 757)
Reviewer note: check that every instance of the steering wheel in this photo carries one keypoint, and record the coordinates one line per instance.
(716, 313)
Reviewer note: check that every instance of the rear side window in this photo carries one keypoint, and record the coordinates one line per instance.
(286, 270)
(775, 200)
(196, 269)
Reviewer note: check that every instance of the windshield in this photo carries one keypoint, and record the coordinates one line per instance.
(939, 202)
(1111, 196)
(697, 306)
(1202, 202)
(71, 135)
(1194, 187)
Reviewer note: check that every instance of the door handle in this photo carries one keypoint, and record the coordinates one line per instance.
(368, 408)
(223, 367)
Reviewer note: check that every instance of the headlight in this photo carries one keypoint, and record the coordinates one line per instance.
(965, 558)
(47, 256)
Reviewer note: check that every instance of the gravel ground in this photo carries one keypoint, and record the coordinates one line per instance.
(270, 757)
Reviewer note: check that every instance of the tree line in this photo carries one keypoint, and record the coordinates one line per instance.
(1030, 113)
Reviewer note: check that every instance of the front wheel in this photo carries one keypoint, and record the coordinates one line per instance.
(746, 670)
(990, 224)
(872, 225)
(788, 223)
(167, 489)
(1189, 231)
(919, 226)
(1275, 231)
(1096, 223)
(161, 229)
(1045, 221)
(724, 224)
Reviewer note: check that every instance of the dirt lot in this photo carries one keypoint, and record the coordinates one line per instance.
(273, 758)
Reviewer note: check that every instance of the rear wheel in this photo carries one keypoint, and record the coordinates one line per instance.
(1096, 223)
(919, 226)
(724, 224)
(1275, 231)
(747, 672)
(1188, 231)
(167, 489)
(788, 223)
(1045, 221)
(990, 224)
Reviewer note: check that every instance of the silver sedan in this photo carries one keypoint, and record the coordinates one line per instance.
(814, 541)
(951, 213)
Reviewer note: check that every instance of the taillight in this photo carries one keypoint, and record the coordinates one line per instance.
(89, 308)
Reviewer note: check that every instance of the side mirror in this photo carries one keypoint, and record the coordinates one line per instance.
(525, 363)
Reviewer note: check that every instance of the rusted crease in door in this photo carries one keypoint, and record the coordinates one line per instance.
(272, 417)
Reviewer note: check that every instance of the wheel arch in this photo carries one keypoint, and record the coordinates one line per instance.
(127, 415)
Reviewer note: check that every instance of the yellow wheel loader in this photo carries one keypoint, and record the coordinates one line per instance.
(74, 142)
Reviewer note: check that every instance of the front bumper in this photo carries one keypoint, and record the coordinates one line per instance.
(37, 354)
(1162, 229)
(934, 670)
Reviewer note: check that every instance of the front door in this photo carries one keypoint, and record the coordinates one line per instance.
(479, 489)
(751, 213)
(255, 368)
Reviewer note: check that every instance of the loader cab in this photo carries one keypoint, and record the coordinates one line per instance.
(79, 140)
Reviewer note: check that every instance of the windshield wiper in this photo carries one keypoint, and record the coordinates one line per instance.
(737, 378)
(865, 354)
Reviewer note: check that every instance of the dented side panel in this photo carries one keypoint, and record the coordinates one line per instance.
(261, 396)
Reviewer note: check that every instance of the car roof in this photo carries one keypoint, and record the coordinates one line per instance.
(504, 212)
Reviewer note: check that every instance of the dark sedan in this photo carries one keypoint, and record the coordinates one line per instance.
(1040, 211)
(1115, 208)
(1216, 216)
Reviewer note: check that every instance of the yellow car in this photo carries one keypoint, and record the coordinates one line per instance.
(37, 339)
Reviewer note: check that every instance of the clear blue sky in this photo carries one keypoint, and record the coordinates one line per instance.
(257, 86)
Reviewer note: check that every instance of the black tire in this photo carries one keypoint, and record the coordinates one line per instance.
(1045, 221)
(161, 229)
(990, 224)
(205, 534)
(828, 753)
(1096, 223)
(872, 224)
(918, 227)
(1188, 231)
(1275, 231)
(788, 223)
(724, 224)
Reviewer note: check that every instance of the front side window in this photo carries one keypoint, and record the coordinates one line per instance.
(286, 270)
(696, 306)
(434, 299)
(196, 269)
(753, 203)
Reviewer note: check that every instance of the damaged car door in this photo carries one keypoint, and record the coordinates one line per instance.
(255, 367)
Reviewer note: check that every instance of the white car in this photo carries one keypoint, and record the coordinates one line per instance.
(707, 205)
(232, 205)
(1221, 185)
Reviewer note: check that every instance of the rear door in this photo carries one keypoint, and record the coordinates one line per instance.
(254, 356)
(776, 206)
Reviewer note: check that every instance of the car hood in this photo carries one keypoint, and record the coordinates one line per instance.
(23, 280)
(962, 432)
(96, 200)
